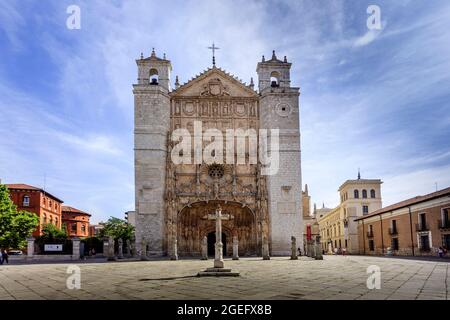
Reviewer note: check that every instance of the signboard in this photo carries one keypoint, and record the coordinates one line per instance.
(53, 247)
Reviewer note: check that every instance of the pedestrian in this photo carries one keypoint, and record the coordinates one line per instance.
(441, 252)
(344, 251)
(5, 257)
(299, 252)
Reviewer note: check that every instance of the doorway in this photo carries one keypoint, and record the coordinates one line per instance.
(212, 242)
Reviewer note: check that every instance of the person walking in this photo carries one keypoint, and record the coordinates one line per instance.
(4, 256)
(441, 252)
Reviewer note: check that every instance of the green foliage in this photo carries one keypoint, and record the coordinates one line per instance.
(117, 228)
(15, 226)
(51, 232)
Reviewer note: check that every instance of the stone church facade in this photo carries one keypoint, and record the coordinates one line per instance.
(173, 200)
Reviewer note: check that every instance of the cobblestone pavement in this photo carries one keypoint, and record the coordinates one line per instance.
(336, 277)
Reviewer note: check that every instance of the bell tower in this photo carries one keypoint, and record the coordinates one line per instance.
(279, 109)
(152, 124)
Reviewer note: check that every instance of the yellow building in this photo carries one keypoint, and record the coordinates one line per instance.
(337, 227)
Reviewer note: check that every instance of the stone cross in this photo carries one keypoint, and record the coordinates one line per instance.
(235, 248)
(174, 248)
(214, 48)
(265, 249)
(294, 248)
(128, 248)
(218, 216)
(120, 253)
(205, 248)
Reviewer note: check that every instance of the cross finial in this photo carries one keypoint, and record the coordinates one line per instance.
(359, 174)
(213, 48)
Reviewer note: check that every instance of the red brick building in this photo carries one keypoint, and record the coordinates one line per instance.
(416, 226)
(46, 206)
(76, 222)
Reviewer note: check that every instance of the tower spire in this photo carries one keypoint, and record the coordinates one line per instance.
(359, 174)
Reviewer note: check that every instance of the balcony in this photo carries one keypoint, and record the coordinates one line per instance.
(422, 227)
(444, 224)
(369, 234)
(393, 231)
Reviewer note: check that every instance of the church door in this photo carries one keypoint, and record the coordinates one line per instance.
(212, 243)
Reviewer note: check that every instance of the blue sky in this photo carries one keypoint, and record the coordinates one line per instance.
(378, 100)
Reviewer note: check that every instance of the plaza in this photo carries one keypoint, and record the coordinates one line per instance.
(335, 277)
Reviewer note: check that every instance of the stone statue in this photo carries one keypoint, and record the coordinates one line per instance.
(128, 248)
(144, 250)
(318, 249)
(120, 253)
(294, 248)
(235, 248)
(174, 248)
(205, 248)
(265, 249)
(111, 255)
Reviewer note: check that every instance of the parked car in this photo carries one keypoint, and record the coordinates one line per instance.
(15, 253)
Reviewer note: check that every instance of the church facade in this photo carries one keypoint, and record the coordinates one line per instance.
(174, 199)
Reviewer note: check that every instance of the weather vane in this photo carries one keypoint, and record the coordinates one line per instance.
(214, 48)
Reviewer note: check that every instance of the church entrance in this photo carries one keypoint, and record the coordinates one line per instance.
(212, 243)
(193, 225)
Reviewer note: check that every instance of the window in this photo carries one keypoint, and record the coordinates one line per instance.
(153, 76)
(346, 243)
(73, 227)
(372, 194)
(364, 194)
(365, 209)
(425, 243)
(50, 204)
(274, 79)
(371, 245)
(394, 244)
(26, 201)
(356, 194)
(51, 220)
(44, 219)
(83, 228)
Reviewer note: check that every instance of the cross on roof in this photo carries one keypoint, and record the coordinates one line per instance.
(214, 48)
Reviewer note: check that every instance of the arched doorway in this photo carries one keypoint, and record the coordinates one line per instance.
(193, 225)
(212, 243)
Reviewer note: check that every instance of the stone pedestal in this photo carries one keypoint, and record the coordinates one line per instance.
(235, 248)
(120, 252)
(294, 248)
(205, 248)
(30, 247)
(75, 248)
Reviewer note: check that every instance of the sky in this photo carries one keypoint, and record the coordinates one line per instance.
(378, 100)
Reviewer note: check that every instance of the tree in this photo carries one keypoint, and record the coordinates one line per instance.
(51, 232)
(117, 228)
(15, 226)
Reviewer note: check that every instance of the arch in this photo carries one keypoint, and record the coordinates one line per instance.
(274, 79)
(372, 193)
(364, 193)
(356, 194)
(193, 225)
(153, 76)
